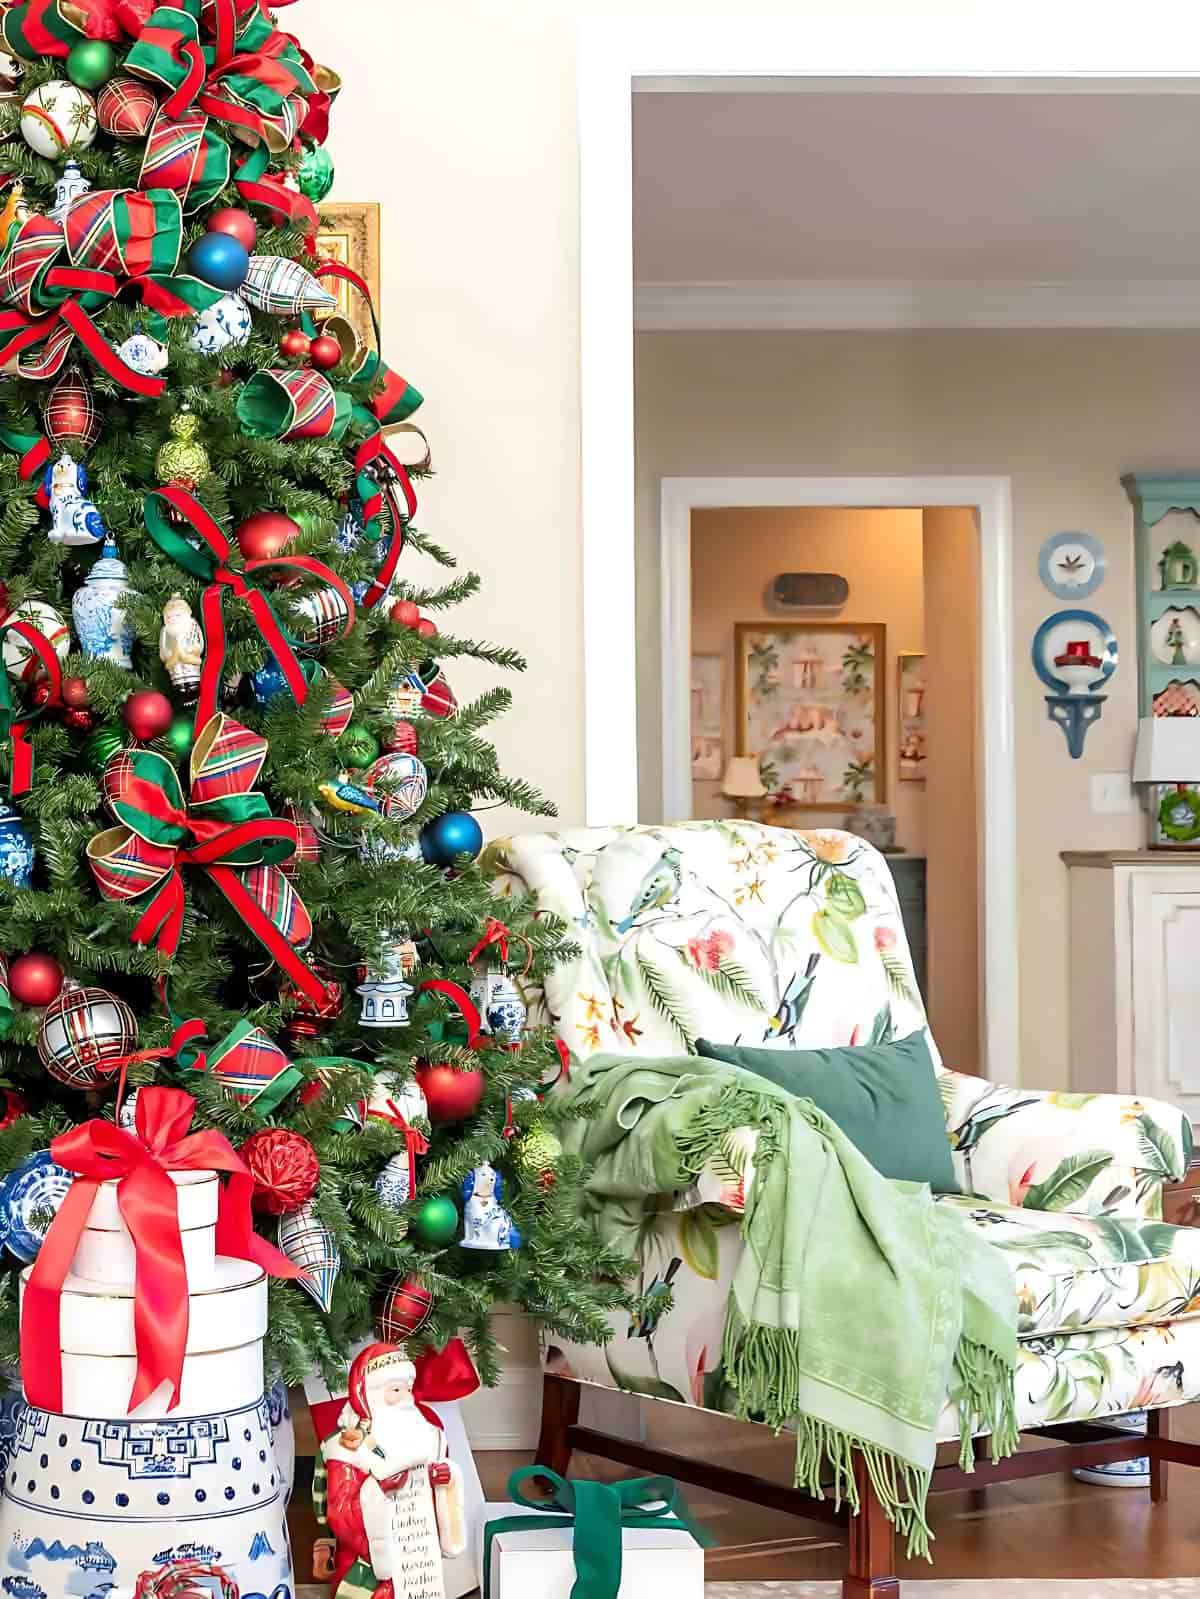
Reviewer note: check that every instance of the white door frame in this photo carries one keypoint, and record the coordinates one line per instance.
(997, 798)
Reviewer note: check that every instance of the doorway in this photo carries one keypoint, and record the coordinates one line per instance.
(974, 932)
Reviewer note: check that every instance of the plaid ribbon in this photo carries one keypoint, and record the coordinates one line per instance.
(250, 1066)
(292, 403)
(187, 156)
(205, 553)
(224, 827)
(111, 239)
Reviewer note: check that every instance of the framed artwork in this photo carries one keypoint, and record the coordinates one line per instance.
(349, 234)
(811, 707)
(708, 672)
(707, 762)
(910, 715)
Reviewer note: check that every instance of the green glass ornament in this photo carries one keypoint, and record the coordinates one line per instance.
(315, 176)
(180, 737)
(91, 63)
(358, 746)
(104, 742)
(436, 1220)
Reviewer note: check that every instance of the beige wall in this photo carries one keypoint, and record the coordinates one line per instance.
(737, 552)
(1063, 415)
(951, 571)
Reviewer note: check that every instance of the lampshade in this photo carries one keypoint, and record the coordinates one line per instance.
(1168, 750)
(741, 780)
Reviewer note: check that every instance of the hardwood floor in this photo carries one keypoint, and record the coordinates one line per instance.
(1040, 1527)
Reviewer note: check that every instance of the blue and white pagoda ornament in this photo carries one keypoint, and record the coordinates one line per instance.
(67, 190)
(74, 520)
(99, 609)
(16, 848)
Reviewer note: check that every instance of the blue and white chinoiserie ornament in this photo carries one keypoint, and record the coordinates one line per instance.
(143, 354)
(500, 1006)
(16, 848)
(127, 1115)
(29, 1199)
(223, 326)
(73, 517)
(99, 610)
(486, 1223)
(68, 189)
(384, 994)
(375, 850)
(351, 529)
(394, 1183)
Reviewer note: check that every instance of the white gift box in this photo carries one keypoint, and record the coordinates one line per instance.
(655, 1561)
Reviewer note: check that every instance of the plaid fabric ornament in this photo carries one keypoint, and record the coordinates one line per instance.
(309, 1244)
(284, 288)
(251, 1068)
(292, 403)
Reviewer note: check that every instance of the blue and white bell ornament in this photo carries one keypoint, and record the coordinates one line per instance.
(501, 1009)
(74, 520)
(486, 1223)
(99, 610)
(16, 848)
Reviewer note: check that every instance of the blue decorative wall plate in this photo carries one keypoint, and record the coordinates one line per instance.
(1051, 644)
(1072, 565)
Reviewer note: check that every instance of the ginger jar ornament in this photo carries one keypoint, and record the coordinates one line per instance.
(182, 459)
(99, 610)
(181, 646)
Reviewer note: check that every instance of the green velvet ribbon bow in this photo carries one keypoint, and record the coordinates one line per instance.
(598, 1513)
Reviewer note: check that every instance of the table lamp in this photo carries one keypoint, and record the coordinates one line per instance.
(742, 783)
(1167, 759)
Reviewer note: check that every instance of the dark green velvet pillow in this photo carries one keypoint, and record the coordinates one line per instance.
(884, 1097)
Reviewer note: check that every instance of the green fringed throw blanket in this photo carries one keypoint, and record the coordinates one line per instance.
(857, 1306)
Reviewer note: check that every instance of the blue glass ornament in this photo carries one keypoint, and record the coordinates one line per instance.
(268, 681)
(449, 836)
(16, 848)
(219, 259)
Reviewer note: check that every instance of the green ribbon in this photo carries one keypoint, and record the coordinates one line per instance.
(598, 1514)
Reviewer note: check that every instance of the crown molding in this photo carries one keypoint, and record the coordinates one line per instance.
(846, 305)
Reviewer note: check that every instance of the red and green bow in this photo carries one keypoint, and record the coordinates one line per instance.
(205, 552)
(54, 275)
(16, 725)
(223, 826)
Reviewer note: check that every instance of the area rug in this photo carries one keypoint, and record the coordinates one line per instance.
(983, 1588)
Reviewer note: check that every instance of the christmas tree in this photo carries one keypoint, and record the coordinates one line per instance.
(241, 840)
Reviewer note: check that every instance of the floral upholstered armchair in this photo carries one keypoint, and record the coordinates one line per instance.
(742, 933)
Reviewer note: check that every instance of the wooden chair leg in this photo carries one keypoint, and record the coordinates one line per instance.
(560, 1410)
(1158, 1425)
(872, 1573)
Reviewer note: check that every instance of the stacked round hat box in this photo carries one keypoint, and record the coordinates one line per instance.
(97, 1495)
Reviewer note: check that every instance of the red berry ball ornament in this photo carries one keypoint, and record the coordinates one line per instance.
(450, 1094)
(406, 613)
(35, 979)
(147, 714)
(294, 344)
(284, 1167)
(262, 536)
(406, 1307)
(81, 719)
(324, 352)
(75, 692)
(240, 225)
(426, 628)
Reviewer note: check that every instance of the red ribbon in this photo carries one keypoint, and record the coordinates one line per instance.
(494, 934)
(466, 1005)
(18, 732)
(99, 1151)
(26, 330)
(415, 1142)
(564, 1055)
(445, 1374)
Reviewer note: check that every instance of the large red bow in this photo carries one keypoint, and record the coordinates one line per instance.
(99, 1152)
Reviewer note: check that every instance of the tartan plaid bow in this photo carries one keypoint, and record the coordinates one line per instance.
(223, 826)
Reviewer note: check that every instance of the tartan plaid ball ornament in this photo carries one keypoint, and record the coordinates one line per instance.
(323, 618)
(406, 1307)
(71, 415)
(126, 108)
(82, 1030)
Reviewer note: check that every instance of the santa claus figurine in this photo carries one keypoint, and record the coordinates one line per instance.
(395, 1497)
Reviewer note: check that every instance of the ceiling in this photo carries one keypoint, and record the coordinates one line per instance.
(915, 207)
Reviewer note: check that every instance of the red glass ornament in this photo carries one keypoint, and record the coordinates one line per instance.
(406, 1307)
(401, 740)
(294, 344)
(40, 692)
(426, 628)
(284, 1167)
(225, 377)
(14, 1105)
(147, 714)
(80, 718)
(263, 535)
(240, 225)
(35, 979)
(324, 352)
(450, 1094)
(311, 1090)
(406, 613)
(309, 1020)
(75, 691)
(71, 415)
